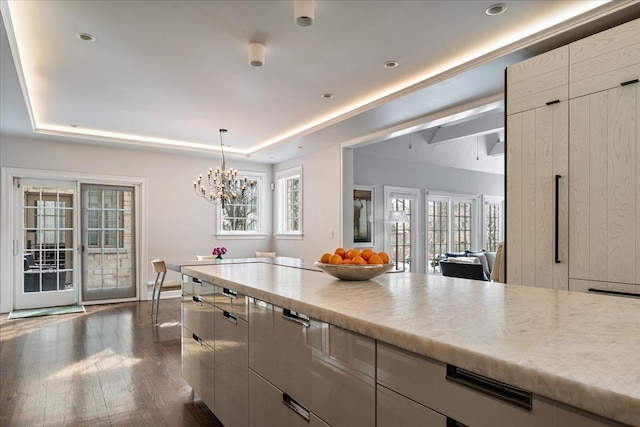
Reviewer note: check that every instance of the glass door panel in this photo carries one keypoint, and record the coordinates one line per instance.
(108, 242)
(47, 230)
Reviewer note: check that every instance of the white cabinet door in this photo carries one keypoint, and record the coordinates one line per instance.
(604, 199)
(537, 198)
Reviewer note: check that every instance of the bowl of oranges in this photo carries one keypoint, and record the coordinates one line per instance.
(354, 264)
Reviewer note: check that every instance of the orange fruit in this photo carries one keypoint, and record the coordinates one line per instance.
(375, 259)
(366, 253)
(340, 251)
(384, 256)
(358, 260)
(325, 258)
(347, 261)
(335, 259)
(353, 253)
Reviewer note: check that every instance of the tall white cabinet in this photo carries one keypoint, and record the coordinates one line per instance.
(573, 165)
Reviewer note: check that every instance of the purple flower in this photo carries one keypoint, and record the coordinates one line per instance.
(219, 250)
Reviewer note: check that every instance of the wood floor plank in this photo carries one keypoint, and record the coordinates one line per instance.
(110, 366)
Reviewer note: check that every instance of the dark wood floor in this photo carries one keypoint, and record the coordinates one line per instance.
(109, 366)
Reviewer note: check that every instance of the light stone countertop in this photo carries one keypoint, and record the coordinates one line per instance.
(576, 348)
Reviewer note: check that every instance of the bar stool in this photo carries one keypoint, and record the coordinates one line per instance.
(160, 268)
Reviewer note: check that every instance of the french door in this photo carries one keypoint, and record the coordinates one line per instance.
(108, 242)
(45, 221)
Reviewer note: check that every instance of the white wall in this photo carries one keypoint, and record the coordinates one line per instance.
(322, 204)
(179, 224)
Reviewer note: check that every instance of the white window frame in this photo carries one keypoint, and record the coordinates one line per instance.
(404, 193)
(281, 204)
(260, 179)
(496, 200)
(477, 217)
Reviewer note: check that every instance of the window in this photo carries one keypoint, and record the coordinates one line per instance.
(243, 218)
(453, 223)
(289, 202)
(399, 236)
(493, 220)
(106, 213)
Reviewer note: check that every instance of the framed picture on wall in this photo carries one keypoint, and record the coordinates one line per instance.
(363, 205)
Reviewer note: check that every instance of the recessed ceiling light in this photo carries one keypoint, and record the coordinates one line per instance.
(391, 64)
(85, 37)
(496, 9)
(300, 146)
(73, 126)
(327, 95)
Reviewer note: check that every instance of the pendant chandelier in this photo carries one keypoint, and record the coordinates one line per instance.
(222, 185)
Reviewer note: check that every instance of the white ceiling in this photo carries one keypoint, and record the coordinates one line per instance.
(169, 74)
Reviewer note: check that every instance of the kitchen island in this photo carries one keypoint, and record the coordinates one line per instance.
(563, 348)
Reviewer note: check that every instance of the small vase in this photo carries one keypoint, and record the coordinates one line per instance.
(219, 257)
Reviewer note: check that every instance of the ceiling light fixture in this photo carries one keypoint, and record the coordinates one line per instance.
(85, 37)
(256, 54)
(223, 185)
(391, 64)
(496, 9)
(304, 12)
(327, 95)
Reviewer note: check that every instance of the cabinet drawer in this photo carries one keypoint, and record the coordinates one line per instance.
(424, 380)
(605, 288)
(331, 370)
(268, 406)
(203, 289)
(198, 317)
(231, 370)
(232, 301)
(395, 410)
(605, 60)
(198, 366)
(538, 80)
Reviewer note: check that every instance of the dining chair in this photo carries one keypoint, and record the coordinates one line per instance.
(160, 268)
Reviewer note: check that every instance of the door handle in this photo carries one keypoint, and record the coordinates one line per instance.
(295, 406)
(296, 317)
(228, 292)
(230, 317)
(556, 248)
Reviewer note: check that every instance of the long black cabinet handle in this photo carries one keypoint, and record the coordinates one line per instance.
(196, 339)
(619, 293)
(295, 407)
(556, 250)
(197, 299)
(228, 292)
(555, 101)
(196, 280)
(499, 390)
(630, 82)
(296, 317)
(230, 317)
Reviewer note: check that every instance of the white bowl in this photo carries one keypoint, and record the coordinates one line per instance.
(354, 272)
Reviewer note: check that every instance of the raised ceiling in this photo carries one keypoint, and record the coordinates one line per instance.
(169, 74)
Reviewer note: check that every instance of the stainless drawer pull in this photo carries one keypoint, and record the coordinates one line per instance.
(230, 293)
(196, 339)
(197, 299)
(295, 406)
(453, 423)
(230, 317)
(196, 280)
(296, 317)
(620, 293)
(502, 391)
